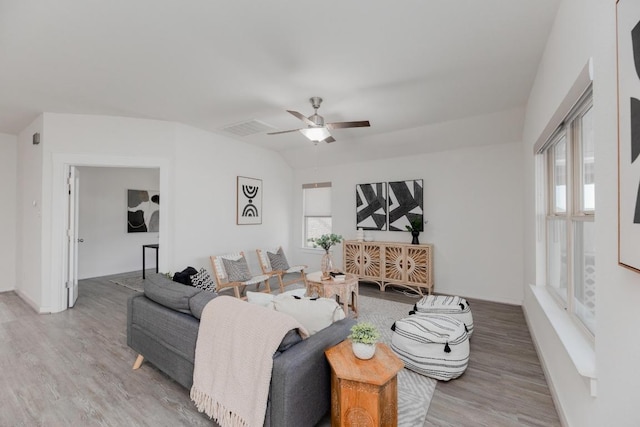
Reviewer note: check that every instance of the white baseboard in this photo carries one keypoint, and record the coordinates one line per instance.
(31, 303)
(545, 370)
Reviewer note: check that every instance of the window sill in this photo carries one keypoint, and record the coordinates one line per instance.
(579, 348)
(313, 250)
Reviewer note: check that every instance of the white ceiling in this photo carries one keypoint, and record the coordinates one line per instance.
(212, 63)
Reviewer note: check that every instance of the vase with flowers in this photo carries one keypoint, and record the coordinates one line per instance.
(326, 241)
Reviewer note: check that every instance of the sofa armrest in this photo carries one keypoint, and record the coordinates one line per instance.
(165, 337)
(301, 378)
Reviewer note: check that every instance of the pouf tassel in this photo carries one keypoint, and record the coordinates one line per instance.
(412, 312)
(461, 306)
(447, 349)
(393, 327)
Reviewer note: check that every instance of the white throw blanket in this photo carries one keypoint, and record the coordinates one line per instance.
(234, 359)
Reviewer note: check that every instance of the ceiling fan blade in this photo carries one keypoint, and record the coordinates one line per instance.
(342, 125)
(283, 131)
(328, 139)
(301, 117)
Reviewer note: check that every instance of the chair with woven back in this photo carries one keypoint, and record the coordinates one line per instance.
(275, 264)
(232, 271)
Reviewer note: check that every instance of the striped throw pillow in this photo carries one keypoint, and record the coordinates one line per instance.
(278, 261)
(237, 271)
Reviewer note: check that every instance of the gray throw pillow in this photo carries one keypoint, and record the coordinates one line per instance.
(237, 271)
(168, 293)
(290, 339)
(278, 260)
(199, 301)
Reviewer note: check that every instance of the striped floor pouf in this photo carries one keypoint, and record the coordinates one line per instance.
(449, 305)
(434, 345)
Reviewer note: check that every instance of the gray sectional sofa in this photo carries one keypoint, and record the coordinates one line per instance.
(162, 326)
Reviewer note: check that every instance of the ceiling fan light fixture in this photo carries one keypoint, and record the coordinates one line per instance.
(317, 130)
(316, 134)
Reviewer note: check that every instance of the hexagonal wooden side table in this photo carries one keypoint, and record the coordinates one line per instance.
(363, 392)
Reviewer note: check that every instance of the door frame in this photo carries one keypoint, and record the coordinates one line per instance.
(57, 298)
(71, 243)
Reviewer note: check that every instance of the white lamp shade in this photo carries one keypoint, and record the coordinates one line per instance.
(316, 134)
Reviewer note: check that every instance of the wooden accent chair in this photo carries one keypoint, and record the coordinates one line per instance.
(222, 278)
(265, 264)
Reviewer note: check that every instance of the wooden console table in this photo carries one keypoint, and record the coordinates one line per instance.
(391, 263)
(363, 392)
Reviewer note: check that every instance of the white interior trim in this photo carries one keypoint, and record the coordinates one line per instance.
(571, 98)
(579, 348)
(60, 165)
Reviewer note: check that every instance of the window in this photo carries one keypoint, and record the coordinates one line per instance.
(316, 202)
(570, 199)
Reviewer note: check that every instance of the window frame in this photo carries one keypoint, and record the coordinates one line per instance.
(305, 242)
(571, 130)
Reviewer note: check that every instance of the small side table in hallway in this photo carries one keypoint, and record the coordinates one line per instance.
(144, 252)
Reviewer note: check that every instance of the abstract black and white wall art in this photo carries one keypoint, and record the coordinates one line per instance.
(405, 203)
(249, 201)
(371, 206)
(143, 211)
(628, 12)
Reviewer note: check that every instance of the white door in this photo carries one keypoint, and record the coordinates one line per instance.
(72, 233)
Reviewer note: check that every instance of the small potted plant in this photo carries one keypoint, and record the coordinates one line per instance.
(364, 337)
(415, 228)
(326, 241)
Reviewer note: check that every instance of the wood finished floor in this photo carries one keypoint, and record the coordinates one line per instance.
(74, 368)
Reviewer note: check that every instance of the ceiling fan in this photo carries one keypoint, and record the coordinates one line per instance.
(317, 130)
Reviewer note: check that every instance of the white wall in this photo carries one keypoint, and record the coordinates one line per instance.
(586, 29)
(472, 200)
(197, 181)
(29, 249)
(107, 247)
(206, 168)
(92, 140)
(8, 195)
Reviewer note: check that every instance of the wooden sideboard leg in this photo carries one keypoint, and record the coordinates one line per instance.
(138, 362)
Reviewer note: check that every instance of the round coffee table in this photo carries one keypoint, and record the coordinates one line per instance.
(344, 289)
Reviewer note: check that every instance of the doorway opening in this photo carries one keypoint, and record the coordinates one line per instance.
(66, 269)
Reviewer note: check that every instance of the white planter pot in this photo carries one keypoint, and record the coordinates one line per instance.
(363, 351)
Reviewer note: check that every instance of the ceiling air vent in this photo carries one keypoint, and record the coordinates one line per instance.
(248, 128)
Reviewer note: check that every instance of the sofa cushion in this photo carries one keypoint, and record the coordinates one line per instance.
(278, 261)
(198, 301)
(260, 298)
(266, 300)
(314, 314)
(290, 339)
(169, 293)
